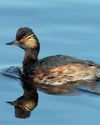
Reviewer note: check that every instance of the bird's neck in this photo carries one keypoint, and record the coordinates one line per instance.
(30, 59)
(30, 56)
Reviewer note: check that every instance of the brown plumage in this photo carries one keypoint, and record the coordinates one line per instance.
(56, 74)
(53, 70)
(63, 74)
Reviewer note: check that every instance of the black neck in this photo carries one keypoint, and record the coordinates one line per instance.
(30, 59)
(30, 55)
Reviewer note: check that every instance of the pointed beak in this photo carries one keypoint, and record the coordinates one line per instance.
(15, 42)
(11, 102)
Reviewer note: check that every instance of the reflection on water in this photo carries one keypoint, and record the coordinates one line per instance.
(29, 100)
(69, 27)
(25, 104)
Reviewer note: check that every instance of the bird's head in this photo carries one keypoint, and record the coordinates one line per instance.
(25, 39)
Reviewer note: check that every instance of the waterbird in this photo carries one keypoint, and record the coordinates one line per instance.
(55, 74)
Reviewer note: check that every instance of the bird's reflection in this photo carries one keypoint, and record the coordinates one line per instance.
(29, 100)
(26, 103)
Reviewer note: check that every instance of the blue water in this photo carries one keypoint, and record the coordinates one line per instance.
(69, 27)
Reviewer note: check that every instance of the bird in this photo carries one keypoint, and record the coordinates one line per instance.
(53, 70)
(56, 74)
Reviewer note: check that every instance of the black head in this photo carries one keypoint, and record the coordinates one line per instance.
(25, 38)
(23, 32)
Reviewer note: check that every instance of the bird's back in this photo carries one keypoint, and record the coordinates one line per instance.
(58, 60)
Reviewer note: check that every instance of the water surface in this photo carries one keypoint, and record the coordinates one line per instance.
(69, 27)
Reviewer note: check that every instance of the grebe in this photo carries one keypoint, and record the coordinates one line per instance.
(53, 70)
(55, 74)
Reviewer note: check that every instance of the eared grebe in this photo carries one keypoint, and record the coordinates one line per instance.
(54, 74)
(53, 70)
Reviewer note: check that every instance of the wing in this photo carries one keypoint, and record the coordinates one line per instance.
(58, 60)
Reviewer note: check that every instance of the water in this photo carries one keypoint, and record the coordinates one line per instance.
(69, 27)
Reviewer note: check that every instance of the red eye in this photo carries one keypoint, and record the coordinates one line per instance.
(22, 40)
